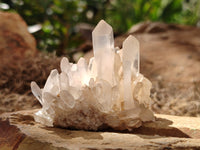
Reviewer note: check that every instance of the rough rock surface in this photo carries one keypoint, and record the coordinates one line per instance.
(19, 131)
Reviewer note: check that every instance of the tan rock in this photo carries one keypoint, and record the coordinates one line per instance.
(20, 131)
(14, 36)
(17, 48)
(170, 51)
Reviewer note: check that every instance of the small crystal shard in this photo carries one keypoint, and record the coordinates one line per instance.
(108, 92)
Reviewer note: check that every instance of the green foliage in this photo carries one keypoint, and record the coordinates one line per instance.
(122, 14)
(59, 17)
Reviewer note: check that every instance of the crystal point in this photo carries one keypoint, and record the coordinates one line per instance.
(130, 57)
(103, 47)
(37, 92)
(103, 28)
(64, 65)
(131, 53)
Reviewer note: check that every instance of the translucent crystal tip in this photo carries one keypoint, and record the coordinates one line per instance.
(131, 48)
(102, 28)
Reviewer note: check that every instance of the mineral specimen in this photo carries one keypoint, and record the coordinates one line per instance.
(108, 92)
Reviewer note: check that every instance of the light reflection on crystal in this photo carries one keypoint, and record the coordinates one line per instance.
(103, 47)
(130, 70)
(108, 91)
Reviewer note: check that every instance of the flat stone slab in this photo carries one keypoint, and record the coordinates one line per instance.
(19, 131)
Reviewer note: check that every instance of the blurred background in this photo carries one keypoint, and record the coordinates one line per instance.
(36, 34)
(55, 23)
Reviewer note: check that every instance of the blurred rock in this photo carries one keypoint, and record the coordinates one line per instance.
(169, 51)
(153, 27)
(139, 28)
(18, 64)
(14, 36)
(19, 131)
(85, 30)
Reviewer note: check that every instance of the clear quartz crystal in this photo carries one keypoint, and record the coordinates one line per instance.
(109, 91)
(103, 47)
(130, 68)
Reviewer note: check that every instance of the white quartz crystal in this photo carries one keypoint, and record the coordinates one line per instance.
(107, 92)
(103, 47)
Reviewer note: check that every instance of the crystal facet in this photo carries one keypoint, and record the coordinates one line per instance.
(103, 46)
(108, 92)
(130, 68)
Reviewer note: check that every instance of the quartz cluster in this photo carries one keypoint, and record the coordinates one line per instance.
(107, 92)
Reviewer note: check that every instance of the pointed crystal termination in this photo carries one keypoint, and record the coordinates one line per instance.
(130, 68)
(131, 52)
(109, 91)
(103, 47)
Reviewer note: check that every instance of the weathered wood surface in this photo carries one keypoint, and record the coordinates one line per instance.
(19, 131)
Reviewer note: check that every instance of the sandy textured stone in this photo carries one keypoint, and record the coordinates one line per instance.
(19, 131)
(14, 36)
